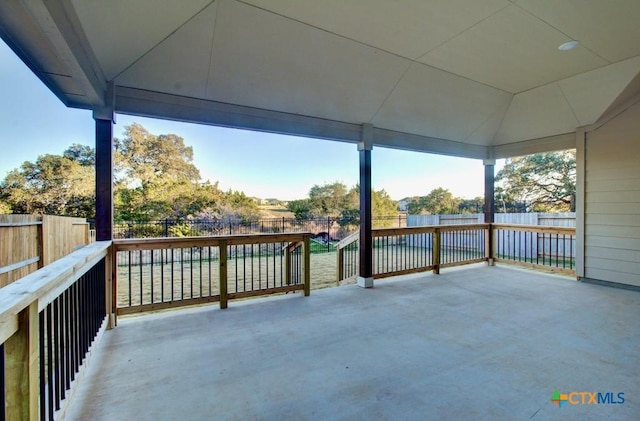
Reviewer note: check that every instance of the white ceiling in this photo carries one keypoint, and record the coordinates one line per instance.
(484, 73)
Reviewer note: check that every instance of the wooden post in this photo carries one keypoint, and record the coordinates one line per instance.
(340, 271)
(87, 234)
(435, 256)
(222, 245)
(287, 262)
(111, 286)
(489, 246)
(307, 266)
(22, 367)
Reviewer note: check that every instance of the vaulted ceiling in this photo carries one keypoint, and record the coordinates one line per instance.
(478, 78)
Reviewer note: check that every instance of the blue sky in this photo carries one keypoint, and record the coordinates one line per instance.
(34, 122)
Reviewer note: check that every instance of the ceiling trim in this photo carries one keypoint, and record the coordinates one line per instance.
(613, 113)
(411, 142)
(544, 144)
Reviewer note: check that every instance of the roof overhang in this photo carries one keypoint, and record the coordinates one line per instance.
(482, 79)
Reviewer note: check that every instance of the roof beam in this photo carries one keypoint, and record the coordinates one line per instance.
(174, 107)
(59, 23)
(411, 142)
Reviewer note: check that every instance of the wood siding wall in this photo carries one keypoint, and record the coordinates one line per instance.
(612, 200)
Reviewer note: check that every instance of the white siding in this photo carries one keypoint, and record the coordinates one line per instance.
(612, 200)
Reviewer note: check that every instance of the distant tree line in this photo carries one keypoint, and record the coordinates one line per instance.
(441, 201)
(155, 178)
(544, 182)
(342, 203)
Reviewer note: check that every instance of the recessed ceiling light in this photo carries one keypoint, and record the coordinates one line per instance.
(569, 45)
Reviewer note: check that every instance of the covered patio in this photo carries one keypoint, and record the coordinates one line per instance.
(487, 79)
(472, 343)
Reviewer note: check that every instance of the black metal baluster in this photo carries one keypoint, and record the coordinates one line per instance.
(50, 385)
(43, 379)
(151, 273)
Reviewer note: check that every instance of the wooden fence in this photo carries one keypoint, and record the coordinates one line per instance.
(29, 242)
(566, 219)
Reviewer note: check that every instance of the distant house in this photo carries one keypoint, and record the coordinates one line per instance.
(257, 200)
(403, 204)
(271, 202)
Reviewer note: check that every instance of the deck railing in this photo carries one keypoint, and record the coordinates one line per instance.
(161, 273)
(49, 320)
(400, 251)
(549, 248)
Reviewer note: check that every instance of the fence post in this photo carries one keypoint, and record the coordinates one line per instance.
(307, 266)
(222, 262)
(22, 373)
(287, 262)
(328, 234)
(435, 257)
(40, 240)
(166, 227)
(87, 235)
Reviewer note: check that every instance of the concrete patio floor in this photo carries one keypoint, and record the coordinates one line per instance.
(472, 343)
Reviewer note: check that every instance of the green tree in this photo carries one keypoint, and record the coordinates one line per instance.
(329, 199)
(439, 201)
(235, 204)
(82, 154)
(546, 182)
(4, 207)
(382, 208)
(337, 201)
(156, 177)
(475, 205)
(382, 204)
(54, 184)
(301, 208)
(145, 159)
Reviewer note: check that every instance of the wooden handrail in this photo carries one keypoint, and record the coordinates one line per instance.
(384, 232)
(348, 240)
(20, 224)
(437, 241)
(184, 242)
(535, 228)
(41, 286)
(22, 303)
(292, 241)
